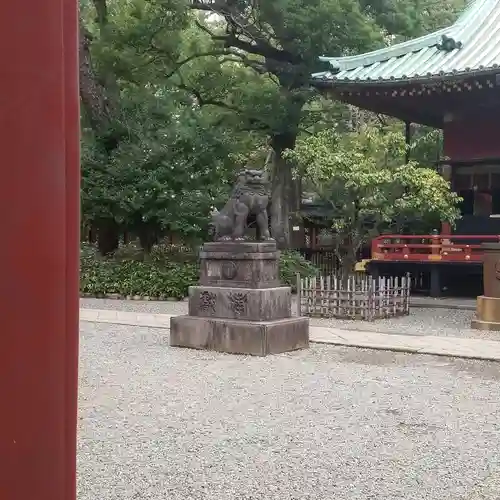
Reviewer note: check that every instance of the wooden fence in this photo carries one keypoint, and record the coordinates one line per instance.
(356, 297)
(325, 260)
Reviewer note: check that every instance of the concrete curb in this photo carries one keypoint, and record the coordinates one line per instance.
(453, 307)
(132, 298)
(409, 350)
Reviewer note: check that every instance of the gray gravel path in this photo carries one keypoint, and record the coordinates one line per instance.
(421, 321)
(325, 424)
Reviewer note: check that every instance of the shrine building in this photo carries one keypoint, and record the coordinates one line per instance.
(449, 79)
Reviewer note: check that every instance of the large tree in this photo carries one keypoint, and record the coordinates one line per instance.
(281, 41)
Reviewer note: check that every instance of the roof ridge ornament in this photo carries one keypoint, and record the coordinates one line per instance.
(449, 44)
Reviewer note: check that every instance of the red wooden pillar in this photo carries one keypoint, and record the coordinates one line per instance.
(39, 201)
(72, 170)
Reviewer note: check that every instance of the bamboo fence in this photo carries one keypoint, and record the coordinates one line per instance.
(354, 297)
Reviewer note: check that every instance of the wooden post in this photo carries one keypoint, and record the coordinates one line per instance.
(435, 286)
(39, 197)
(408, 141)
(72, 170)
(299, 293)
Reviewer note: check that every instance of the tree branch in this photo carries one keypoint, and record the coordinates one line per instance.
(102, 12)
(259, 68)
(254, 122)
(239, 26)
(210, 33)
(214, 53)
(202, 101)
(260, 49)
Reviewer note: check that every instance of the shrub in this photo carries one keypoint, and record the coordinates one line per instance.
(88, 251)
(129, 251)
(129, 276)
(159, 253)
(173, 253)
(291, 263)
(167, 272)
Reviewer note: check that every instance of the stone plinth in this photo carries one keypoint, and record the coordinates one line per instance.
(488, 304)
(239, 306)
(239, 264)
(258, 338)
(252, 304)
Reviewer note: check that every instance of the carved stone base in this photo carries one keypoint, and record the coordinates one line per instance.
(487, 314)
(258, 338)
(239, 306)
(239, 264)
(252, 304)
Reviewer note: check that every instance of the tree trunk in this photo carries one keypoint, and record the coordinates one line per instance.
(348, 264)
(108, 237)
(147, 239)
(100, 102)
(92, 234)
(348, 256)
(99, 105)
(92, 94)
(283, 196)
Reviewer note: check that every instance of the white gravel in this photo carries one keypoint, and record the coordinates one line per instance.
(421, 321)
(325, 424)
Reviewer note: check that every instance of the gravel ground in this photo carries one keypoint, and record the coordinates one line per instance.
(180, 307)
(435, 321)
(325, 424)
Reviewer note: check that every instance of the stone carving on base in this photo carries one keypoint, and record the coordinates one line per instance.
(229, 270)
(207, 302)
(238, 301)
(250, 196)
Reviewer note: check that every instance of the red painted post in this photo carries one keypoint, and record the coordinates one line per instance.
(72, 136)
(38, 256)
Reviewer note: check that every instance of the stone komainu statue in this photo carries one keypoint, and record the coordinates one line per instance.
(250, 196)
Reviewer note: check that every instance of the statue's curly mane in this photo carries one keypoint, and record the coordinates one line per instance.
(249, 184)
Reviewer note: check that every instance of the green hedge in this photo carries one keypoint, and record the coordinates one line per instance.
(166, 273)
(291, 263)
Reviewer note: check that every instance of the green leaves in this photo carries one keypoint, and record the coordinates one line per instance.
(366, 187)
(190, 91)
(291, 263)
(162, 161)
(129, 277)
(168, 176)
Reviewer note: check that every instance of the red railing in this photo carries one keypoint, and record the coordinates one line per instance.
(444, 248)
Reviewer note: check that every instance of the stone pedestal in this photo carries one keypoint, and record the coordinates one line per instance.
(488, 305)
(239, 306)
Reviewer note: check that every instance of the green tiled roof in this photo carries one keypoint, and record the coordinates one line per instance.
(470, 45)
